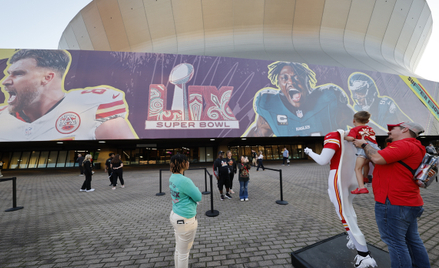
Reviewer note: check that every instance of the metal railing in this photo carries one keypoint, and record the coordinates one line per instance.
(209, 213)
(281, 201)
(14, 194)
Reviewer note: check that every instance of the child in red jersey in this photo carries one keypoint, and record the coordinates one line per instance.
(361, 130)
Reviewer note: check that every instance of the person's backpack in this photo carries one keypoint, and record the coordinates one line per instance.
(423, 175)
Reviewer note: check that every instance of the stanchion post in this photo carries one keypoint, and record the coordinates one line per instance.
(14, 196)
(205, 182)
(160, 182)
(211, 212)
(281, 201)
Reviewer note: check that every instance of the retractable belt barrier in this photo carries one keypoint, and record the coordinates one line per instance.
(281, 201)
(14, 194)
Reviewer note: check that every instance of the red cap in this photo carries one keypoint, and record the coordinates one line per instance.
(415, 127)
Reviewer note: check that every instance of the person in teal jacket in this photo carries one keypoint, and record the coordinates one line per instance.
(185, 196)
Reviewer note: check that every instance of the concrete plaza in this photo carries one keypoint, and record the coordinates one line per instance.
(63, 227)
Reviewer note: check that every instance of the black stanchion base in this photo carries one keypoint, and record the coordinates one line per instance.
(281, 202)
(13, 209)
(333, 253)
(212, 213)
(158, 194)
(207, 192)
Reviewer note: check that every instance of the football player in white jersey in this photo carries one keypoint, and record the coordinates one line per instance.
(38, 108)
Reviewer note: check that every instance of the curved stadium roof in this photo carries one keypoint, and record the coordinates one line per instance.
(382, 35)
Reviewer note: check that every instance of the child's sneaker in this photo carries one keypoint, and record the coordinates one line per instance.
(360, 191)
(228, 196)
(222, 197)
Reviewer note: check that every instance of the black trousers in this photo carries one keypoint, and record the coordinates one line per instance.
(224, 180)
(110, 174)
(260, 165)
(231, 180)
(87, 183)
(117, 173)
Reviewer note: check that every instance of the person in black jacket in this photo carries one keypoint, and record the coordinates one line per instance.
(232, 168)
(117, 165)
(108, 167)
(221, 171)
(80, 159)
(87, 168)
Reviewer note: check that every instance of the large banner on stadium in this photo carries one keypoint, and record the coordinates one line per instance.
(86, 95)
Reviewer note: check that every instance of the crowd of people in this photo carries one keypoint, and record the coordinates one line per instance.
(398, 200)
(113, 167)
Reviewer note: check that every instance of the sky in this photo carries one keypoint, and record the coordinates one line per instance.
(39, 24)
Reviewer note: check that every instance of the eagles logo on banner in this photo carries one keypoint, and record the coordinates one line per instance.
(422, 94)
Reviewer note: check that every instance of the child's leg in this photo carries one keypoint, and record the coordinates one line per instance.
(358, 171)
(366, 168)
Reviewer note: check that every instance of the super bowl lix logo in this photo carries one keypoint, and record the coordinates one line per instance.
(193, 107)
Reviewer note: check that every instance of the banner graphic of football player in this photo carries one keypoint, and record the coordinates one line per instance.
(38, 108)
(298, 107)
(383, 109)
(87, 95)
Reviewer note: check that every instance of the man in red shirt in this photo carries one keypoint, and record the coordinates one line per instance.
(397, 196)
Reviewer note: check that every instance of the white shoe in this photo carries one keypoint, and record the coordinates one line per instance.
(242, 200)
(364, 262)
(231, 191)
(114, 188)
(246, 199)
(350, 244)
(91, 190)
(82, 190)
(122, 186)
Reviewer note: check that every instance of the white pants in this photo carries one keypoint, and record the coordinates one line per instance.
(184, 238)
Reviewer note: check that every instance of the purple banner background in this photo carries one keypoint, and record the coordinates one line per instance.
(134, 72)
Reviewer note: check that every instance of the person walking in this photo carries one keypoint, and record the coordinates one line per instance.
(285, 155)
(221, 171)
(79, 160)
(185, 196)
(398, 200)
(233, 169)
(117, 165)
(87, 168)
(260, 164)
(244, 177)
(254, 158)
(108, 168)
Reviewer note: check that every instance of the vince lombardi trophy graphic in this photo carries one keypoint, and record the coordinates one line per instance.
(180, 76)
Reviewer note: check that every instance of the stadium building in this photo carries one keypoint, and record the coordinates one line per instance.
(198, 77)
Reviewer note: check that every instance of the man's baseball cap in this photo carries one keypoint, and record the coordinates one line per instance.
(415, 127)
(220, 152)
